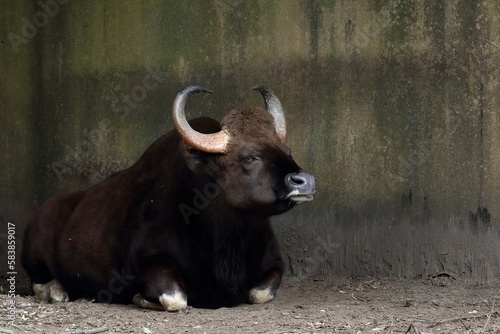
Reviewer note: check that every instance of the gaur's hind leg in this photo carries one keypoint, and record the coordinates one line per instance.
(161, 289)
(50, 292)
(44, 285)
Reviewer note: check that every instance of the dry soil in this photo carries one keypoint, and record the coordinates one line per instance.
(439, 304)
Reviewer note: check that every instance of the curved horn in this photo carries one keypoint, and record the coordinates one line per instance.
(274, 107)
(210, 143)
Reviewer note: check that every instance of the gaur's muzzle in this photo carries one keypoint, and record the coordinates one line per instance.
(301, 186)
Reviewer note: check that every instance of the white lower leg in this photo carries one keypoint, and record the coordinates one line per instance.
(51, 292)
(260, 296)
(143, 303)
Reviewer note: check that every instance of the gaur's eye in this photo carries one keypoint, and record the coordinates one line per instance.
(247, 159)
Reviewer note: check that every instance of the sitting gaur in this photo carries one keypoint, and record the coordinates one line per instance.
(187, 224)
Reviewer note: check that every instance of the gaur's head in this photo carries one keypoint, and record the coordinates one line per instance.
(245, 155)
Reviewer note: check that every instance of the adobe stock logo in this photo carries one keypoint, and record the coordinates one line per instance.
(31, 28)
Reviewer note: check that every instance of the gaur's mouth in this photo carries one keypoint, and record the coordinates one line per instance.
(297, 198)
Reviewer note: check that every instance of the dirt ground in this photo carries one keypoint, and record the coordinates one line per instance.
(319, 305)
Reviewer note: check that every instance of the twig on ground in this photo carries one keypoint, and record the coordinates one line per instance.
(415, 330)
(415, 319)
(489, 316)
(88, 331)
(465, 326)
(444, 273)
(3, 330)
(436, 323)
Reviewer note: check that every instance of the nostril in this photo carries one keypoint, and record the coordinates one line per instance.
(302, 183)
(296, 180)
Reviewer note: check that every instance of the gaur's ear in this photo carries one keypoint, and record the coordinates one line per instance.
(196, 161)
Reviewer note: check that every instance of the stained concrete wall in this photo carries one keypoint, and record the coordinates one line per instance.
(393, 105)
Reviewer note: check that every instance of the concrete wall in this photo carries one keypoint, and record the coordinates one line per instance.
(393, 105)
